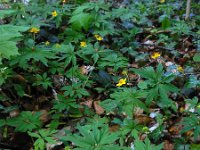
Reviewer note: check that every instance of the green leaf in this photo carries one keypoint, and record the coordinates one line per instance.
(142, 85)
(7, 49)
(26, 121)
(4, 13)
(93, 137)
(165, 21)
(196, 57)
(8, 39)
(11, 32)
(81, 20)
(2, 122)
(34, 134)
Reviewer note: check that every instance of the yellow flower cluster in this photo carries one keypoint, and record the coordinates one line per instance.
(121, 82)
(34, 30)
(54, 13)
(83, 44)
(98, 37)
(155, 55)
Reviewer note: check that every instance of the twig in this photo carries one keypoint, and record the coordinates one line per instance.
(156, 46)
(187, 14)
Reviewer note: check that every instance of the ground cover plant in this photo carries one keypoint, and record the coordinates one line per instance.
(99, 74)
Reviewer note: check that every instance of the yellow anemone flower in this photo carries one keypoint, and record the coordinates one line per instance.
(155, 55)
(180, 69)
(83, 44)
(54, 13)
(47, 43)
(57, 45)
(121, 82)
(34, 30)
(98, 37)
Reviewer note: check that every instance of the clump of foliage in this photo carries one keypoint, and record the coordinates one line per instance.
(99, 75)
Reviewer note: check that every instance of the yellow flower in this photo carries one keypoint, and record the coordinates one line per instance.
(47, 43)
(121, 82)
(54, 13)
(98, 37)
(34, 30)
(58, 45)
(83, 44)
(181, 110)
(162, 1)
(155, 55)
(180, 69)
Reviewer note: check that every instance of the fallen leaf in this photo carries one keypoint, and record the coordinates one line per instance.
(168, 145)
(143, 119)
(14, 113)
(114, 128)
(175, 129)
(138, 111)
(87, 103)
(99, 110)
(44, 116)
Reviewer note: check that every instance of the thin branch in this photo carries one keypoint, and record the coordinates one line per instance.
(187, 14)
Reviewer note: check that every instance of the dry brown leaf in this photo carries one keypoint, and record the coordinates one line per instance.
(19, 79)
(87, 103)
(175, 129)
(132, 76)
(14, 113)
(114, 128)
(168, 145)
(84, 70)
(143, 119)
(44, 116)
(99, 110)
(138, 111)
(143, 137)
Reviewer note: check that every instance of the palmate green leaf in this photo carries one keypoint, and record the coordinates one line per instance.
(64, 103)
(158, 85)
(8, 48)
(129, 99)
(26, 121)
(146, 145)
(113, 60)
(34, 134)
(147, 73)
(8, 40)
(106, 137)
(68, 54)
(11, 32)
(4, 13)
(191, 122)
(39, 144)
(81, 20)
(36, 55)
(93, 137)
